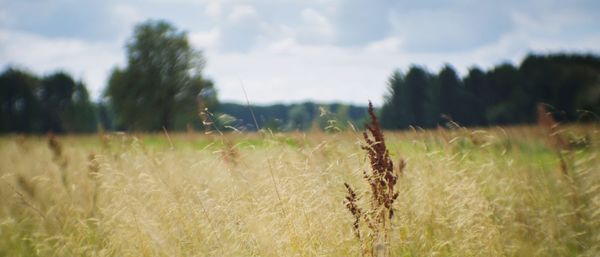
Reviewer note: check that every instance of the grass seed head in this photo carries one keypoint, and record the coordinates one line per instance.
(351, 205)
(382, 178)
(26, 186)
(54, 146)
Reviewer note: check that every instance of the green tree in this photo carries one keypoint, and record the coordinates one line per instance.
(65, 105)
(341, 116)
(299, 117)
(569, 83)
(418, 85)
(449, 96)
(105, 116)
(18, 104)
(475, 104)
(508, 98)
(502, 95)
(80, 116)
(161, 81)
(395, 107)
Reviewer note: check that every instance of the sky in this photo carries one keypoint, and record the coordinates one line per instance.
(284, 51)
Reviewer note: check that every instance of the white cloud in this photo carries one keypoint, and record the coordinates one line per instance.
(241, 13)
(90, 62)
(316, 27)
(321, 50)
(388, 45)
(287, 70)
(213, 9)
(274, 32)
(205, 39)
(447, 29)
(124, 17)
(126, 13)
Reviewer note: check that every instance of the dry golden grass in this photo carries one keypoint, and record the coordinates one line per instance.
(463, 192)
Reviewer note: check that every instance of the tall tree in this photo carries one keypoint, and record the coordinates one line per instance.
(475, 104)
(55, 96)
(395, 107)
(65, 105)
(163, 72)
(508, 99)
(19, 109)
(80, 116)
(567, 82)
(299, 117)
(450, 95)
(418, 83)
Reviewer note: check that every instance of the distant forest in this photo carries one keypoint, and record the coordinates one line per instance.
(303, 116)
(568, 84)
(58, 103)
(55, 102)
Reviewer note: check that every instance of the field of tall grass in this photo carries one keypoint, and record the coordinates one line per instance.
(462, 192)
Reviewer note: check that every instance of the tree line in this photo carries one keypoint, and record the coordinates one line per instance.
(568, 84)
(162, 87)
(58, 103)
(34, 104)
(290, 117)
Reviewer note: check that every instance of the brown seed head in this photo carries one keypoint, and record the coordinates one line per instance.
(351, 205)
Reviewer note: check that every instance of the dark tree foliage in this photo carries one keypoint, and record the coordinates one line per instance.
(54, 103)
(569, 83)
(106, 116)
(161, 85)
(394, 111)
(504, 94)
(475, 92)
(65, 105)
(18, 103)
(508, 101)
(450, 96)
(418, 96)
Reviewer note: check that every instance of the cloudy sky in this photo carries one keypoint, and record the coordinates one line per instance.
(295, 50)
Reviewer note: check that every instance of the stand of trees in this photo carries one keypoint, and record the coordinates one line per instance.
(505, 94)
(53, 103)
(162, 85)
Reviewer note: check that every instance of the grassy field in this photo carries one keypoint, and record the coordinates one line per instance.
(463, 192)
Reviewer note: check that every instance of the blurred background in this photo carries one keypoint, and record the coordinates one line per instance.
(79, 66)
